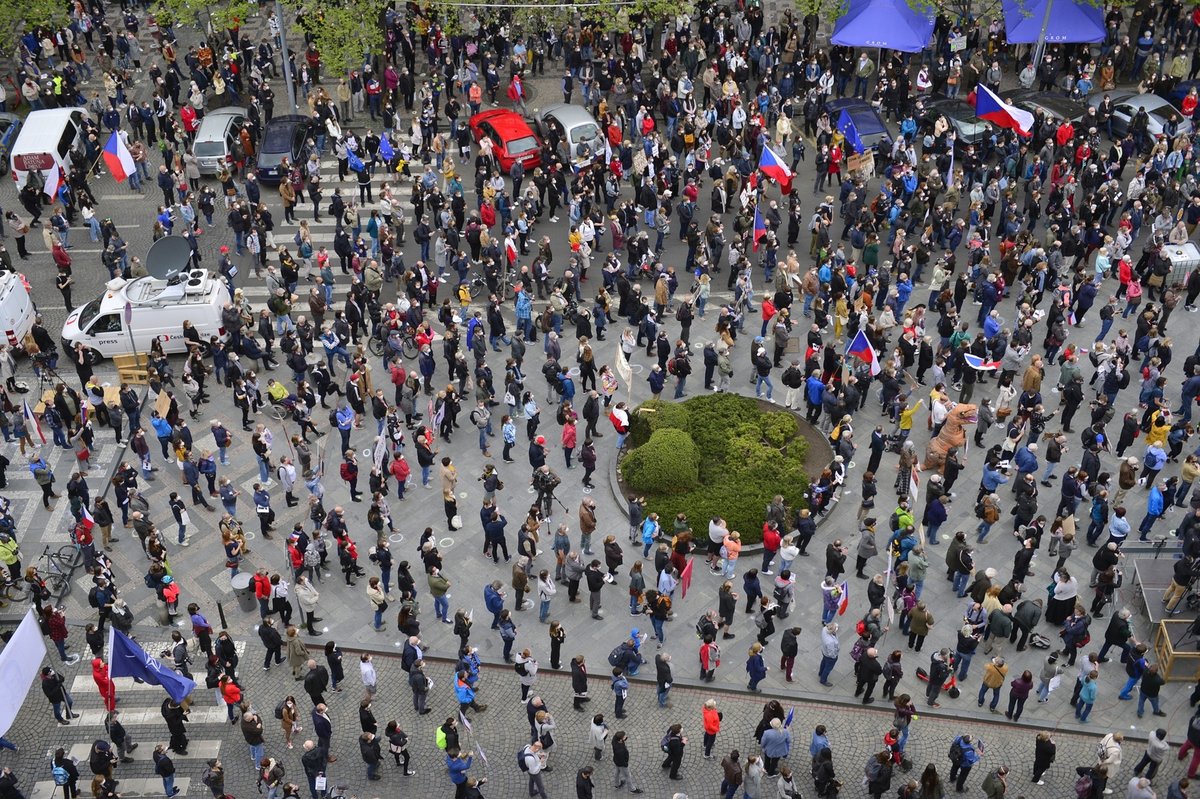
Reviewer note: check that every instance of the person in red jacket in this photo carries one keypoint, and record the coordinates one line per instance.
(262, 592)
(770, 541)
(400, 470)
(104, 684)
(231, 694)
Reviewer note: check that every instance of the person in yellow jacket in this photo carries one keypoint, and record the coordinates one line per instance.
(993, 680)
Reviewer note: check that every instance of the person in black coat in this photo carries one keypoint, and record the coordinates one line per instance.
(675, 744)
(315, 682)
(1043, 755)
(584, 787)
(273, 642)
(579, 681)
(368, 747)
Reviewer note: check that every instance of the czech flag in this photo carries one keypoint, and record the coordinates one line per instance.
(990, 107)
(118, 158)
(975, 362)
(86, 521)
(848, 129)
(861, 348)
(31, 421)
(760, 228)
(54, 182)
(845, 603)
(774, 167)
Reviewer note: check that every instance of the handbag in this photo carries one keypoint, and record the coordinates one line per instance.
(383, 606)
(456, 522)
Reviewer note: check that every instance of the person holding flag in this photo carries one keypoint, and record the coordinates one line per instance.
(860, 347)
(990, 107)
(775, 168)
(117, 158)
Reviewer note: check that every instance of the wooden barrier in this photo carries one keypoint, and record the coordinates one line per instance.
(1175, 660)
(132, 368)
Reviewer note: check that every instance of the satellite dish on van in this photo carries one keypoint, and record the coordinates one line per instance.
(168, 256)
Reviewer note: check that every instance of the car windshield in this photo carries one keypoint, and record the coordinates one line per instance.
(208, 148)
(1162, 114)
(522, 145)
(585, 132)
(88, 313)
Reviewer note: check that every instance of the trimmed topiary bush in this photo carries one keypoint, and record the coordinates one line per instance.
(744, 456)
(668, 463)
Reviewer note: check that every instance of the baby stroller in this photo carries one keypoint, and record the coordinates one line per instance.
(893, 442)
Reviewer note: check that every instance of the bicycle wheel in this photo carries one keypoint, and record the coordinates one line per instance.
(59, 585)
(14, 592)
(375, 344)
(475, 286)
(409, 347)
(70, 556)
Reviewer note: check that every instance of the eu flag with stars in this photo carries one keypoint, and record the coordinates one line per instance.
(847, 128)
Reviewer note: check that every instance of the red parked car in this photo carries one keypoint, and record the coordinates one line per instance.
(511, 136)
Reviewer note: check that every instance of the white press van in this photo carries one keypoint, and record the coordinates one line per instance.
(16, 309)
(134, 313)
(46, 139)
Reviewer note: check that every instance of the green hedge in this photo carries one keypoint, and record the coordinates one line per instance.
(744, 455)
(669, 463)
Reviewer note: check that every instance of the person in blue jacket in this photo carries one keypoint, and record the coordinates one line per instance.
(656, 379)
(969, 750)
(1154, 509)
(457, 763)
(493, 600)
(756, 667)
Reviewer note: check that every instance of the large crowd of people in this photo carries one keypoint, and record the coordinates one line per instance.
(1010, 245)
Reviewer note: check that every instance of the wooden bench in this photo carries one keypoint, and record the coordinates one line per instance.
(132, 368)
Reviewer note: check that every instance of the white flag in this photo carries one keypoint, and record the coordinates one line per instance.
(19, 665)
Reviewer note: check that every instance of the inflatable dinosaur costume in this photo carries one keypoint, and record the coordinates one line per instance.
(952, 434)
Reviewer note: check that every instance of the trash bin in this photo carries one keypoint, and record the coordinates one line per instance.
(240, 583)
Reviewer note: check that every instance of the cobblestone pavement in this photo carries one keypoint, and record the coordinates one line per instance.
(346, 617)
(855, 733)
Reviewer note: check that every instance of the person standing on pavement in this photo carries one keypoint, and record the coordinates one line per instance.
(535, 763)
(272, 641)
(965, 752)
(620, 752)
(164, 767)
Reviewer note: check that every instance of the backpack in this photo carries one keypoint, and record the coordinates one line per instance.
(861, 627)
(980, 511)
(521, 669)
(93, 600)
(278, 712)
(206, 777)
(665, 742)
(521, 759)
(614, 657)
(61, 777)
(672, 367)
(312, 556)
(439, 738)
(1083, 785)
(956, 751)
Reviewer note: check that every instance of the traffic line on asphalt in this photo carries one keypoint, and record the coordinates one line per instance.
(197, 750)
(138, 716)
(130, 786)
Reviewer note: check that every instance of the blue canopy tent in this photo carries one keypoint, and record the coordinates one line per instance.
(890, 24)
(1065, 21)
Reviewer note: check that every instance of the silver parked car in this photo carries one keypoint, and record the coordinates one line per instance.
(574, 125)
(218, 131)
(1126, 104)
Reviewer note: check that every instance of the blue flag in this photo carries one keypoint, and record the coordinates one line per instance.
(846, 126)
(354, 162)
(127, 659)
(385, 149)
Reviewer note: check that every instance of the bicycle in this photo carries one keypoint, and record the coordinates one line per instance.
(16, 591)
(378, 345)
(59, 566)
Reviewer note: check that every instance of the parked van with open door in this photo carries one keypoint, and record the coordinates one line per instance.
(46, 139)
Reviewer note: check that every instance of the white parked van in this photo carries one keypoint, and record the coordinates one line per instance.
(16, 308)
(46, 138)
(134, 313)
